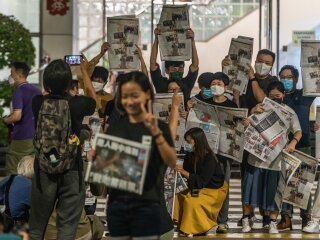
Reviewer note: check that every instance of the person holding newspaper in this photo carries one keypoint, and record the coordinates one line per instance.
(294, 98)
(130, 215)
(261, 177)
(196, 210)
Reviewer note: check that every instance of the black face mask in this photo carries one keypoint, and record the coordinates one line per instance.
(278, 100)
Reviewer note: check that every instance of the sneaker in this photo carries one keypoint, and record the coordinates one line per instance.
(285, 223)
(246, 225)
(273, 227)
(222, 228)
(266, 222)
(311, 227)
(212, 232)
(305, 221)
(182, 234)
(252, 219)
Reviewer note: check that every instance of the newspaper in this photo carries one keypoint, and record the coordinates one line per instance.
(161, 109)
(298, 188)
(123, 34)
(169, 189)
(317, 142)
(173, 43)
(229, 129)
(240, 54)
(119, 163)
(310, 67)
(271, 123)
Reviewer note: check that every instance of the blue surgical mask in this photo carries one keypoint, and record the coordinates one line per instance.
(207, 93)
(288, 84)
(188, 147)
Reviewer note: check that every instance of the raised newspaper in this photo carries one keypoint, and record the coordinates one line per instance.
(240, 55)
(317, 143)
(161, 109)
(310, 67)
(123, 34)
(119, 163)
(227, 135)
(173, 42)
(289, 165)
(298, 188)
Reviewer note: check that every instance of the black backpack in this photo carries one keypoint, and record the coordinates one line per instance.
(55, 144)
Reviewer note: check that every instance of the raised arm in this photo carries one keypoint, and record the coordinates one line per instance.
(195, 60)
(94, 61)
(154, 50)
(258, 93)
(90, 92)
(142, 63)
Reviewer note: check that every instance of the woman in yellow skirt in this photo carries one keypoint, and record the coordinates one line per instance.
(196, 210)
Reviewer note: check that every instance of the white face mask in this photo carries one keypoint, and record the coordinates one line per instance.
(217, 90)
(97, 86)
(11, 80)
(262, 69)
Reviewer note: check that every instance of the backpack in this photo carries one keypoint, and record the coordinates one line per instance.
(55, 145)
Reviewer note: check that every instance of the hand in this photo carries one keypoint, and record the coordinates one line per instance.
(138, 51)
(190, 104)
(190, 33)
(236, 93)
(149, 120)
(250, 72)
(105, 47)
(176, 100)
(184, 115)
(84, 64)
(258, 109)
(157, 31)
(91, 154)
(246, 122)
(291, 146)
(226, 61)
(178, 168)
(316, 127)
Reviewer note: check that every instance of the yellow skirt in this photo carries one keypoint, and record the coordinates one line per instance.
(196, 215)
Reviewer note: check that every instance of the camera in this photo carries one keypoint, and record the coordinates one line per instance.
(73, 59)
(195, 192)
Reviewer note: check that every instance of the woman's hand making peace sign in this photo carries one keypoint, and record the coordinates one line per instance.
(150, 120)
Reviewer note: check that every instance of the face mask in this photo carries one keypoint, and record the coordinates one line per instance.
(10, 80)
(188, 147)
(217, 90)
(278, 100)
(176, 75)
(97, 86)
(262, 69)
(288, 84)
(206, 93)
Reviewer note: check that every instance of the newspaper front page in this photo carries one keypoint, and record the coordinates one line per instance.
(119, 163)
(317, 143)
(229, 130)
(240, 54)
(123, 35)
(298, 187)
(173, 43)
(161, 109)
(289, 165)
(310, 67)
(169, 189)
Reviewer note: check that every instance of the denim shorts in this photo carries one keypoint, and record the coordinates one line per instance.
(134, 218)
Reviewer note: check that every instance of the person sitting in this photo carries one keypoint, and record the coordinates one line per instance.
(15, 191)
(196, 210)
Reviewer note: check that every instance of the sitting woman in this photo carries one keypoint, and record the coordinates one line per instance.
(196, 210)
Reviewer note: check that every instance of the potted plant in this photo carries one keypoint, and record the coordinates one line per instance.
(15, 45)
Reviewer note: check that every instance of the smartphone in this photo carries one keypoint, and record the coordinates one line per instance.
(73, 59)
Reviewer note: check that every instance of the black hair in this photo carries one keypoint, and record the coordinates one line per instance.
(136, 76)
(74, 84)
(201, 145)
(222, 77)
(100, 72)
(293, 69)
(57, 77)
(276, 85)
(267, 52)
(168, 64)
(21, 67)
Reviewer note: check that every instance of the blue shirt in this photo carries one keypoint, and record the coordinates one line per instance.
(301, 105)
(19, 195)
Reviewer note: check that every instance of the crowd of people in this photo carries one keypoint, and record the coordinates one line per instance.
(45, 189)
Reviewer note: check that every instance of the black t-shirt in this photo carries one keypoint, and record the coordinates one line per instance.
(153, 185)
(226, 103)
(113, 114)
(161, 83)
(206, 174)
(80, 106)
(248, 100)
